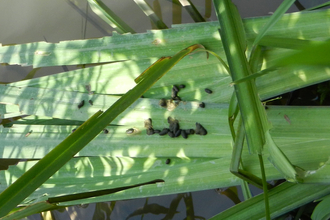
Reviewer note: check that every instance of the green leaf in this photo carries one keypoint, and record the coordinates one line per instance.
(316, 54)
(145, 7)
(109, 17)
(321, 211)
(283, 198)
(285, 5)
(279, 160)
(234, 46)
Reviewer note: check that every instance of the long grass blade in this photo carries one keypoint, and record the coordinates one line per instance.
(110, 17)
(283, 198)
(192, 10)
(285, 5)
(149, 12)
(234, 46)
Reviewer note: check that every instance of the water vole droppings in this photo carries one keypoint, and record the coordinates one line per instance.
(184, 134)
(164, 131)
(130, 131)
(163, 103)
(150, 131)
(148, 123)
(81, 104)
(200, 129)
(209, 91)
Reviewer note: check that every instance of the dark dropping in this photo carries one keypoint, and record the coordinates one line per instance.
(200, 129)
(163, 103)
(177, 133)
(184, 134)
(202, 105)
(164, 131)
(130, 131)
(190, 131)
(171, 134)
(81, 104)
(150, 131)
(148, 123)
(209, 91)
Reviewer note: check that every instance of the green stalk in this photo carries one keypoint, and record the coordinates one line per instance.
(99, 8)
(264, 184)
(234, 42)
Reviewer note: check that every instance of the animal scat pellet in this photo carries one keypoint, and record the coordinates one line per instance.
(90, 102)
(164, 131)
(202, 105)
(200, 129)
(174, 124)
(81, 104)
(177, 98)
(190, 131)
(177, 133)
(209, 91)
(171, 134)
(168, 161)
(174, 93)
(184, 134)
(175, 88)
(182, 86)
(163, 103)
(130, 131)
(105, 131)
(150, 131)
(148, 123)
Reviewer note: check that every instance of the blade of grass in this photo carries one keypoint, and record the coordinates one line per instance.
(285, 5)
(234, 46)
(149, 12)
(318, 6)
(279, 160)
(192, 10)
(109, 17)
(283, 199)
(30, 210)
